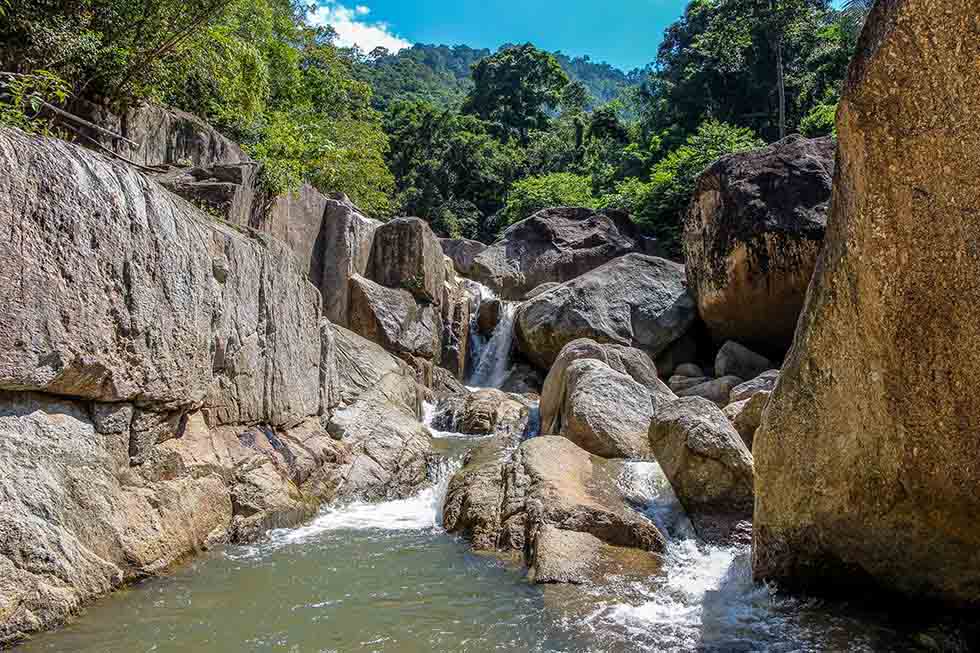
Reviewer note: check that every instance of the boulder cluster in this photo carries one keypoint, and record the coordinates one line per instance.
(185, 361)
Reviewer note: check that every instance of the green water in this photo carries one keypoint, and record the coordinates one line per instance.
(387, 578)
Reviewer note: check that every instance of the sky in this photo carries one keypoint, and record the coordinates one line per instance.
(624, 33)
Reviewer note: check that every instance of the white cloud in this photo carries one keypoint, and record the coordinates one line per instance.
(352, 29)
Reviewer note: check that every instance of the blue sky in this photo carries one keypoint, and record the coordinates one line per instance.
(624, 33)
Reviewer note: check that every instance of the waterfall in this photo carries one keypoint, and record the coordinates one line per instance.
(494, 361)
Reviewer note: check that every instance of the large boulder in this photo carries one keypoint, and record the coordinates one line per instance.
(456, 318)
(541, 499)
(605, 412)
(393, 319)
(553, 245)
(751, 239)
(407, 255)
(707, 464)
(636, 300)
(734, 359)
(627, 360)
(361, 364)
(867, 465)
(463, 253)
(339, 249)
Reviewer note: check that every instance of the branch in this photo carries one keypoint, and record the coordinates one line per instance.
(86, 123)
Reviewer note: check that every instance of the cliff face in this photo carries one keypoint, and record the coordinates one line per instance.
(165, 382)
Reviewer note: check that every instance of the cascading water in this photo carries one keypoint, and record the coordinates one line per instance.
(493, 364)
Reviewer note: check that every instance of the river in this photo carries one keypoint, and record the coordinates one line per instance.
(387, 578)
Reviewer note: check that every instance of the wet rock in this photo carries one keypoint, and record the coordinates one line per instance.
(407, 255)
(523, 379)
(561, 556)
(735, 360)
(626, 360)
(867, 457)
(463, 253)
(554, 245)
(507, 498)
(765, 382)
(393, 319)
(752, 235)
(715, 390)
(482, 412)
(488, 316)
(636, 301)
(709, 467)
(456, 312)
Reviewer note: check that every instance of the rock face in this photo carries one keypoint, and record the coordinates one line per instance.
(554, 245)
(339, 248)
(541, 499)
(163, 383)
(751, 239)
(707, 463)
(637, 301)
(165, 137)
(867, 461)
(394, 320)
(406, 254)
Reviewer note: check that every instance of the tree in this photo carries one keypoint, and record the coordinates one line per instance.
(530, 195)
(515, 88)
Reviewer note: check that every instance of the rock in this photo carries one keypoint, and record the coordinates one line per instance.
(136, 295)
(681, 351)
(746, 415)
(867, 457)
(511, 499)
(456, 309)
(76, 525)
(554, 245)
(689, 370)
(751, 239)
(361, 364)
(407, 255)
(488, 316)
(394, 320)
(561, 556)
(341, 250)
(482, 412)
(707, 464)
(523, 379)
(443, 382)
(166, 137)
(605, 412)
(463, 252)
(637, 301)
(626, 360)
(230, 191)
(389, 445)
(735, 360)
(540, 290)
(765, 382)
(716, 390)
(678, 383)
